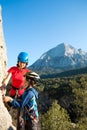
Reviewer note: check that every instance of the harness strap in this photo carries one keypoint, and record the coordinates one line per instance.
(17, 95)
(31, 116)
(16, 90)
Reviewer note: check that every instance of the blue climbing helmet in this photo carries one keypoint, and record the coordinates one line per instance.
(23, 57)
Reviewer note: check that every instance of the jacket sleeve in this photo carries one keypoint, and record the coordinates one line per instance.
(15, 103)
(26, 99)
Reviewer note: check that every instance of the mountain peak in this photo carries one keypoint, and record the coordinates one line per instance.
(60, 50)
(63, 44)
(69, 50)
(62, 57)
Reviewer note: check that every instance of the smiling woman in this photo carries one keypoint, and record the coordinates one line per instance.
(16, 73)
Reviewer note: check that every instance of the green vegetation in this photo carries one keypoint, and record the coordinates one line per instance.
(63, 73)
(69, 112)
(56, 118)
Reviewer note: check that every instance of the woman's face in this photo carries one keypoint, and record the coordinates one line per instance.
(21, 65)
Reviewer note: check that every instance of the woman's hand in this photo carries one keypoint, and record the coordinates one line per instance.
(7, 99)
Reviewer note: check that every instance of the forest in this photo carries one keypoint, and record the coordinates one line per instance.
(63, 103)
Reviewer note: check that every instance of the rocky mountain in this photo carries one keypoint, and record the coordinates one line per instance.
(60, 58)
(5, 118)
(3, 50)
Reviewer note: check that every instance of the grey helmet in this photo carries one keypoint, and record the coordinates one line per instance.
(33, 76)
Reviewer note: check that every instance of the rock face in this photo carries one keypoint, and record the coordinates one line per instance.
(5, 118)
(3, 53)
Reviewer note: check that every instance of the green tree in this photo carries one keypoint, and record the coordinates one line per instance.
(56, 119)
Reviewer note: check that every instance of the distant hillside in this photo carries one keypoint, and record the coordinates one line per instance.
(66, 73)
(61, 58)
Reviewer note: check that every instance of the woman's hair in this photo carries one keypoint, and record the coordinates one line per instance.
(31, 82)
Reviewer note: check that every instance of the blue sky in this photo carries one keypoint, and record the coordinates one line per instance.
(35, 26)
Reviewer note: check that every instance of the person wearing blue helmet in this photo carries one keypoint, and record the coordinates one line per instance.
(16, 74)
